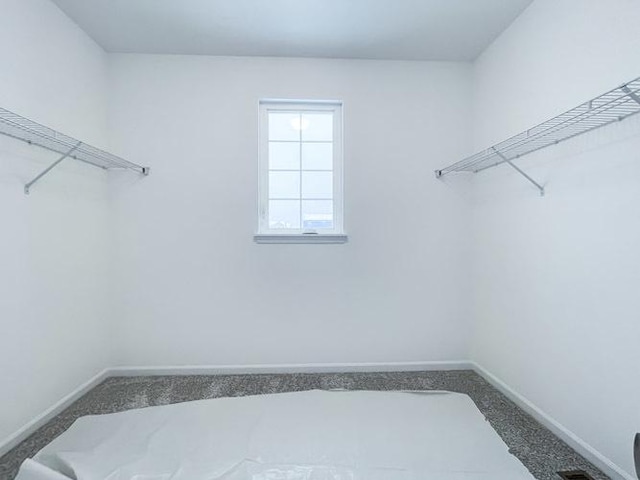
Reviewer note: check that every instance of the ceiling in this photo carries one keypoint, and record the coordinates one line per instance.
(375, 29)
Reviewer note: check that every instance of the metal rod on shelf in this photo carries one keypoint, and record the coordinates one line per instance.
(28, 186)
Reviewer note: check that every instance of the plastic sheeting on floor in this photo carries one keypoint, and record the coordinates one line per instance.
(314, 435)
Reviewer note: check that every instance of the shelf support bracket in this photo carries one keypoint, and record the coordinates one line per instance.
(28, 186)
(520, 171)
(631, 94)
(537, 185)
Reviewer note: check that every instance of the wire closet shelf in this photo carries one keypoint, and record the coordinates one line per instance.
(613, 106)
(21, 128)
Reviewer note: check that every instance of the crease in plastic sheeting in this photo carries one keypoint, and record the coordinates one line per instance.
(66, 468)
(31, 470)
(420, 392)
(72, 465)
(254, 470)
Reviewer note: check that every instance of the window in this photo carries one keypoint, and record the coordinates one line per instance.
(300, 172)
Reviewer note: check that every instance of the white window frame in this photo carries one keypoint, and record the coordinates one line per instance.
(270, 235)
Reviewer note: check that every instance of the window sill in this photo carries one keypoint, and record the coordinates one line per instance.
(299, 238)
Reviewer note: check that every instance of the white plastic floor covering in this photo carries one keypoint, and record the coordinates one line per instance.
(315, 435)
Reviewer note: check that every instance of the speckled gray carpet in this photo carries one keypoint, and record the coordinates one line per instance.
(537, 448)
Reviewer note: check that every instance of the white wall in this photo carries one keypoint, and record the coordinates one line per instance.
(53, 286)
(557, 278)
(196, 289)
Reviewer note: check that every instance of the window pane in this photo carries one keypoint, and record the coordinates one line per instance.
(317, 127)
(282, 126)
(317, 185)
(317, 156)
(317, 214)
(284, 156)
(284, 214)
(284, 185)
(300, 163)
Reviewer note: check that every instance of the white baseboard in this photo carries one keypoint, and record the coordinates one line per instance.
(570, 438)
(289, 368)
(29, 428)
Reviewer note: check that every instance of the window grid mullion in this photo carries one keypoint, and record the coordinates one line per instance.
(298, 141)
(297, 170)
(325, 199)
(300, 149)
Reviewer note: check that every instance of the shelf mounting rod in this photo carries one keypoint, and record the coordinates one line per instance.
(28, 186)
(517, 169)
(631, 94)
(520, 171)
